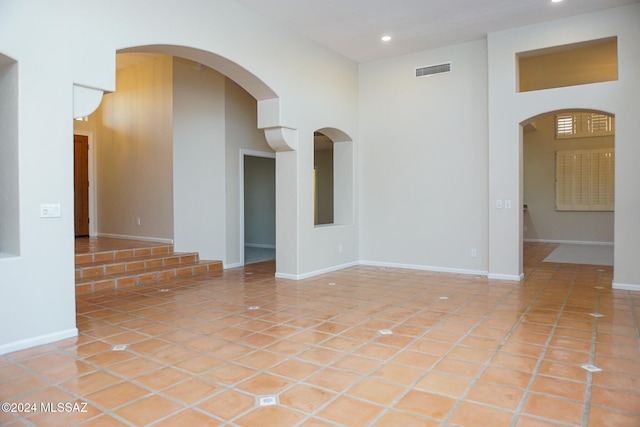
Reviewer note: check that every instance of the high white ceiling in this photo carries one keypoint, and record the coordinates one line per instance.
(353, 27)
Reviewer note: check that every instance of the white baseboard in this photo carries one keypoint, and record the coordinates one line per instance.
(509, 277)
(260, 245)
(625, 287)
(315, 273)
(381, 264)
(569, 242)
(424, 268)
(234, 265)
(143, 239)
(39, 340)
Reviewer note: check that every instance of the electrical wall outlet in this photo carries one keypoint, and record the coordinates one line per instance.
(474, 253)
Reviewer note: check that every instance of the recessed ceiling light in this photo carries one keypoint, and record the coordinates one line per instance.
(556, 1)
(385, 38)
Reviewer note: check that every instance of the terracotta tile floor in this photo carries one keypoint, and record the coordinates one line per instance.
(462, 351)
(86, 245)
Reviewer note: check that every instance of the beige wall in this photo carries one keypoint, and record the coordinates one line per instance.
(541, 220)
(134, 153)
(575, 64)
(206, 119)
(198, 160)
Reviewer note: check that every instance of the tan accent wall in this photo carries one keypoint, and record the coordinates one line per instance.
(576, 64)
(134, 159)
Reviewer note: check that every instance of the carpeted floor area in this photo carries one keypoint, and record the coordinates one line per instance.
(582, 254)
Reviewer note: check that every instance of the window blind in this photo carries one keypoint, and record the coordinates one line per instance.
(585, 180)
(582, 125)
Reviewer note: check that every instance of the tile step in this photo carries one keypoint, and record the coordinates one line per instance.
(145, 276)
(123, 253)
(136, 263)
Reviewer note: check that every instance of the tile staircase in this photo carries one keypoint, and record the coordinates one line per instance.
(123, 268)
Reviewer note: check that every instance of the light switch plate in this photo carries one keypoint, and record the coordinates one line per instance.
(50, 210)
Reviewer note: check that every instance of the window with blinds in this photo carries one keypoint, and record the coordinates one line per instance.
(582, 125)
(585, 180)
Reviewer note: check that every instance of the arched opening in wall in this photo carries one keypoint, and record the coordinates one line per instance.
(168, 144)
(332, 177)
(568, 186)
(9, 191)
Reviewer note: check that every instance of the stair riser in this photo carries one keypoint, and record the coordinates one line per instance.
(133, 265)
(146, 278)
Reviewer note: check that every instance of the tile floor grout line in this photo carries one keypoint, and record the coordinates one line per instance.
(589, 381)
(409, 388)
(634, 316)
(364, 377)
(383, 300)
(427, 330)
(516, 413)
(224, 387)
(534, 374)
(84, 398)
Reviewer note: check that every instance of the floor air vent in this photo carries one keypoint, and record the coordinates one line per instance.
(433, 69)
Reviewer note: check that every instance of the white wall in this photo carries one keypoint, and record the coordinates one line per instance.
(307, 86)
(542, 222)
(507, 109)
(241, 133)
(424, 160)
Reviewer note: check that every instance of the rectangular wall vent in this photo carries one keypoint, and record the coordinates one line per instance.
(433, 69)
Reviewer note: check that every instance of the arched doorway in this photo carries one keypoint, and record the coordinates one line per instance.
(568, 185)
(183, 158)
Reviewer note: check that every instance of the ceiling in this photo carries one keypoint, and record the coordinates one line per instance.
(353, 27)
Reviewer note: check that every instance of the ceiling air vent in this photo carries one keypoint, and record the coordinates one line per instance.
(433, 69)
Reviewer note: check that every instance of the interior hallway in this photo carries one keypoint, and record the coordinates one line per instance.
(361, 346)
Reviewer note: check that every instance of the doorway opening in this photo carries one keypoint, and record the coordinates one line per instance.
(568, 185)
(258, 211)
(84, 188)
(81, 184)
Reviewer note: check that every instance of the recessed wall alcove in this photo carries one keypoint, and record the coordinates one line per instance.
(333, 177)
(9, 195)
